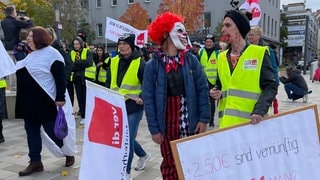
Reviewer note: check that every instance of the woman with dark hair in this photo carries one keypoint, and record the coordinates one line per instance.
(41, 89)
(83, 69)
(99, 58)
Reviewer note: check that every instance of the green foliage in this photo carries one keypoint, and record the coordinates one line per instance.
(217, 31)
(89, 32)
(283, 30)
(71, 14)
(42, 13)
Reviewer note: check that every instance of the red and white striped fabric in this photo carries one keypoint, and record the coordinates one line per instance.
(253, 7)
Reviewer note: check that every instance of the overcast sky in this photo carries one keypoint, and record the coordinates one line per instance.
(313, 4)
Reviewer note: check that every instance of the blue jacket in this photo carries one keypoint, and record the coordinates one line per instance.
(154, 93)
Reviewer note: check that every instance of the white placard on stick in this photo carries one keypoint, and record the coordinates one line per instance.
(284, 146)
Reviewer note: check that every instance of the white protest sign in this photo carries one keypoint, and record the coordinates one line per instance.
(283, 147)
(7, 66)
(106, 135)
(114, 29)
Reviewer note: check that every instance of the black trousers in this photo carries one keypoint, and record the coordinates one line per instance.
(81, 89)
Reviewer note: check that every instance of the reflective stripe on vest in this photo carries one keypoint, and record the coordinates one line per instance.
(102, 76)
(130, 85)
(240, 93)
(3, 83)
(241, 90)
(90, 72)
(209, 65)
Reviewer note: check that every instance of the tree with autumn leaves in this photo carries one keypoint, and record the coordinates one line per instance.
(191, 10)
(136, 16)
(42, 14)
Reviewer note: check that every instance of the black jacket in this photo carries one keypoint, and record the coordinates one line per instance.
(68, 64)
(11, 29)
(124, 64)
(295, 78)
(267, 83)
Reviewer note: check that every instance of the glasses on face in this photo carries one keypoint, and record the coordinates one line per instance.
(251, 34)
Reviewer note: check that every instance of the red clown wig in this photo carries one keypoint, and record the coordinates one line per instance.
(161, 25)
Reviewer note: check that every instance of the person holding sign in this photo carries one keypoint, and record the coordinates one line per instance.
(255, 37)
(125, 76)
(174, 90)
(245, 85)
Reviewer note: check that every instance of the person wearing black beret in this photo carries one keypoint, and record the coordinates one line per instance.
(245, 83)
(125, 76)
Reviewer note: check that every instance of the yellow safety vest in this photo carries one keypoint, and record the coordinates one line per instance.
(130, 85)
(241, 90)
(90, 72)
(3, 83)
(102, 76)
(209, 65)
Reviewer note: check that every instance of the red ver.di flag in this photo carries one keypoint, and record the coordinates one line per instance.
(253, 7)
(106, 135)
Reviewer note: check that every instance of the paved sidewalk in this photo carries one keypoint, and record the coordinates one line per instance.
(14, 151)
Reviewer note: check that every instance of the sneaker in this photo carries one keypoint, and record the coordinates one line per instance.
(128, 177)
(142, 162)
(1, 139)
(305, 98)
(82, 122)
(287, 100)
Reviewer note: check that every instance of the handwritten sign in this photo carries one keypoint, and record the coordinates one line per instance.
(285, 146)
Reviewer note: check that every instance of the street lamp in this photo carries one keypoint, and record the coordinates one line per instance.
(58, 25)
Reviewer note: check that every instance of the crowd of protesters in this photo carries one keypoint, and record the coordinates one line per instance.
(184, 109)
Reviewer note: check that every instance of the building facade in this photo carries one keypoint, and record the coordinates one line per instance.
(318, 41)
(302, 34)
(213, 13)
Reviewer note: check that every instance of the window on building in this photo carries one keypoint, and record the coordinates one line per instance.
(271, 27)
(130, 1)
(275, 28)
(84, 3)
(264, 23)
(98, 3)
(268, 28)
(99, 30)
(114, 2)
(206, 22)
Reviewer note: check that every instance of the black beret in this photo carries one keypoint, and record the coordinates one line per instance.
(241, 20)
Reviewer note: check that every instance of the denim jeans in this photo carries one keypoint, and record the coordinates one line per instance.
(34, 140)
(294, 92)
(133, 121)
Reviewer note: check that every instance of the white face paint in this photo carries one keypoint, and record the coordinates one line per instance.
(176, 34)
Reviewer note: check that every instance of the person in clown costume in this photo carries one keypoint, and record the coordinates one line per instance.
(174, 89)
